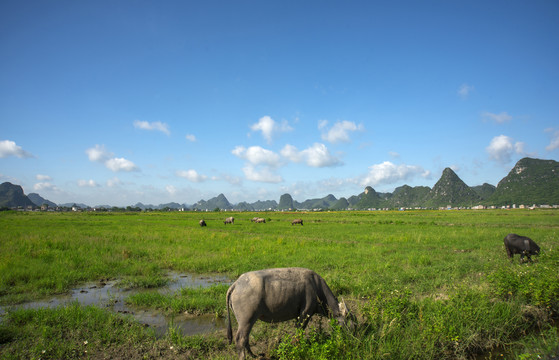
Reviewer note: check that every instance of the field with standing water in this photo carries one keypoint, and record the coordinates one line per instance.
(423, 284)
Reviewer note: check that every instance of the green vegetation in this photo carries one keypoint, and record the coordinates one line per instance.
(530, 181)
(423, 284)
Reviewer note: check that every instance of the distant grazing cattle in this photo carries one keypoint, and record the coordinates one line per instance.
(517, 244)
(203, 223)
(275, 295)
(254, 219)
(297, 221)
(229, 220)
(260, 220)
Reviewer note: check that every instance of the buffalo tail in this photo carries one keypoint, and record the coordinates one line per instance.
(228, 302)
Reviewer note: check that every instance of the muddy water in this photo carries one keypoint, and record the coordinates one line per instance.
(107, 295)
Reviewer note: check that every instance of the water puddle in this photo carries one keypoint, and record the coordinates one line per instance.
(107, 295)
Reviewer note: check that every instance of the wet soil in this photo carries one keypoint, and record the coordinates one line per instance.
(107, 295)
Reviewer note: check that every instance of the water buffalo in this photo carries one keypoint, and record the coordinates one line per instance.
(229, 220)
(254, 219)
(516, 244)
(203, 223)
(274, 295)
(297, 221)
(260, 220)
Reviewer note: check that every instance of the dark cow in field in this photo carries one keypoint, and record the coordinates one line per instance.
(297, 221)
(275, 295)
(517, 244)
(203, 223)
(229, 220)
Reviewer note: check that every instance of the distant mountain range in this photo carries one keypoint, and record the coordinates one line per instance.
(531, 181)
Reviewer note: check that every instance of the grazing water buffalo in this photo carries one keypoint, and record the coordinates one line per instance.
(274, 295)
(254, 219)
(203, 223)
(297, 221)
(516, 244)
(229, 220)
(260, 220)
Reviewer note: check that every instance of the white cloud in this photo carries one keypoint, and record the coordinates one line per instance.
(389, 173)
(270, 128)
(291, 153)
(114, 182)
(9, 148)
(153, 126)
(41, 177)
(261, 174)
(101, 155)
(98, 153)
(261, 163)
(340, 131)
(464, 90)
(498, 118)
(120, 164)
(257, 155)
(191, 175)
(554, 143)
(502, 148)
(319, 156)
(45, 186)
(171, 189)
(316, 155)
(87, 183)
(190, 137)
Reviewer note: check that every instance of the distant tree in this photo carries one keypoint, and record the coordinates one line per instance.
(217, 209)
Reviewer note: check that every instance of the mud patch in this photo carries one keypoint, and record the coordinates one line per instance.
(107, 295)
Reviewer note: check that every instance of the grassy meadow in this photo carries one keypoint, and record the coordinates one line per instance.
(423, 284)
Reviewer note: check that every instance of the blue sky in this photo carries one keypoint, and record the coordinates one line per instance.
(119, 102)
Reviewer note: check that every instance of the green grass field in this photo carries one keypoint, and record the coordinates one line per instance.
(423, 284)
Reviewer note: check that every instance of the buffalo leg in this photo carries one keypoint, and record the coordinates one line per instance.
(241, 340)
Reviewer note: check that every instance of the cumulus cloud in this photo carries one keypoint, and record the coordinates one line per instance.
(152, 126)
(98, 153)
(498, 118)
(464, 90)
(45, 186)
(10, 148)
(290, 152)
(502, 148)
(114, 182)
(389, 173)
(316, 155)
(120, 164)
(190, 137)
(42, 177)
(270, 128)
(319, 156)
(171, 189)
(192, 175)
(554, 143)
(339, 132)
(261, 164)
(101, 155)
(257, 155)
(87, 183)
(261, 174)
